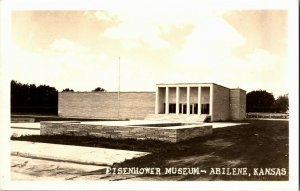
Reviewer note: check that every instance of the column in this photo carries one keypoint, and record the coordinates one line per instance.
(211, 101)
(167, 101)
(188, 100)
(157, 100)
(199, 100)
(177, 100)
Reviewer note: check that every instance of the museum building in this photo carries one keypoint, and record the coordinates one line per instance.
(181, 102)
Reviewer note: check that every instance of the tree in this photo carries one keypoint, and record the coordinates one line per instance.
(259, 101)
(99, 89)
(282, 104)
(27, 98)
(68, 90)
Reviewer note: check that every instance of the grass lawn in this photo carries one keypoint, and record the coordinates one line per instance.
(260, 144)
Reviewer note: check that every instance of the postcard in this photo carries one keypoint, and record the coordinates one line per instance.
(156, 95)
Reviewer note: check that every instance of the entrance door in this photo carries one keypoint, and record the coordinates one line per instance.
(205, 108)
(195, 108)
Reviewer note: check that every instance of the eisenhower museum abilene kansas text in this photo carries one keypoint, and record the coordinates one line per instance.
(184, 102)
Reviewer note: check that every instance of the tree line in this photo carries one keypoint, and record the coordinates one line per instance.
(98, 89)
(32, 99)
(29, 98)
(263, 101)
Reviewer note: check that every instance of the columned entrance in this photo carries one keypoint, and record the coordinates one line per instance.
(179, 99)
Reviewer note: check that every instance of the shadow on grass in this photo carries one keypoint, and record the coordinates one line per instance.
(260, 144)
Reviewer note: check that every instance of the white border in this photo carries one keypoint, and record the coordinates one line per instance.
(8, 5)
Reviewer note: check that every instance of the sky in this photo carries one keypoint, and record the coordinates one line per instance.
(80, 50)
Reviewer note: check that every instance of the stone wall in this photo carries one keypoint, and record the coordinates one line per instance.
(167, 134)
(221, 101)
(133, 105)
(238, 104)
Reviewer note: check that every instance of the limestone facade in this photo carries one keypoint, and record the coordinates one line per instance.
(105, 105)
(185, 102)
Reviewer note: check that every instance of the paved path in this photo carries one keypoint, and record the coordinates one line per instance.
(139, 122)
(225, 124)
(19, 129)
(35, 125)
(23, 132)
(23, 168)
(76, 154)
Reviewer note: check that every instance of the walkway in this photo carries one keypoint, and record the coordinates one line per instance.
(76, 154)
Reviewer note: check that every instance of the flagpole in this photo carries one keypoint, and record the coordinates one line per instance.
(119, 88)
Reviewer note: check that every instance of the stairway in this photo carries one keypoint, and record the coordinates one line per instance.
(178, 118)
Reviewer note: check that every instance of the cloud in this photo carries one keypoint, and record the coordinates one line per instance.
(67, 64)
(66, 45)
(156, 46)
(210, 43)
(264, 70)
(145, 27)
(134, 35)
(103, 16)
(207, 56)
(259, 69)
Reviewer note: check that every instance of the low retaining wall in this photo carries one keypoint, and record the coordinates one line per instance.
(22, 120)
(168, 134)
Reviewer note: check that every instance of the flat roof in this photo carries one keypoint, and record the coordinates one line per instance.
(183, 83)
(238, 89)
(193, 83)
(108, 92)
(205, 83)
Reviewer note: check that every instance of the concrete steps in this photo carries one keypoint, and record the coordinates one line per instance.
(177, 118)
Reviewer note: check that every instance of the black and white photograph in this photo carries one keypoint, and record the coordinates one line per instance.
(192, 95)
